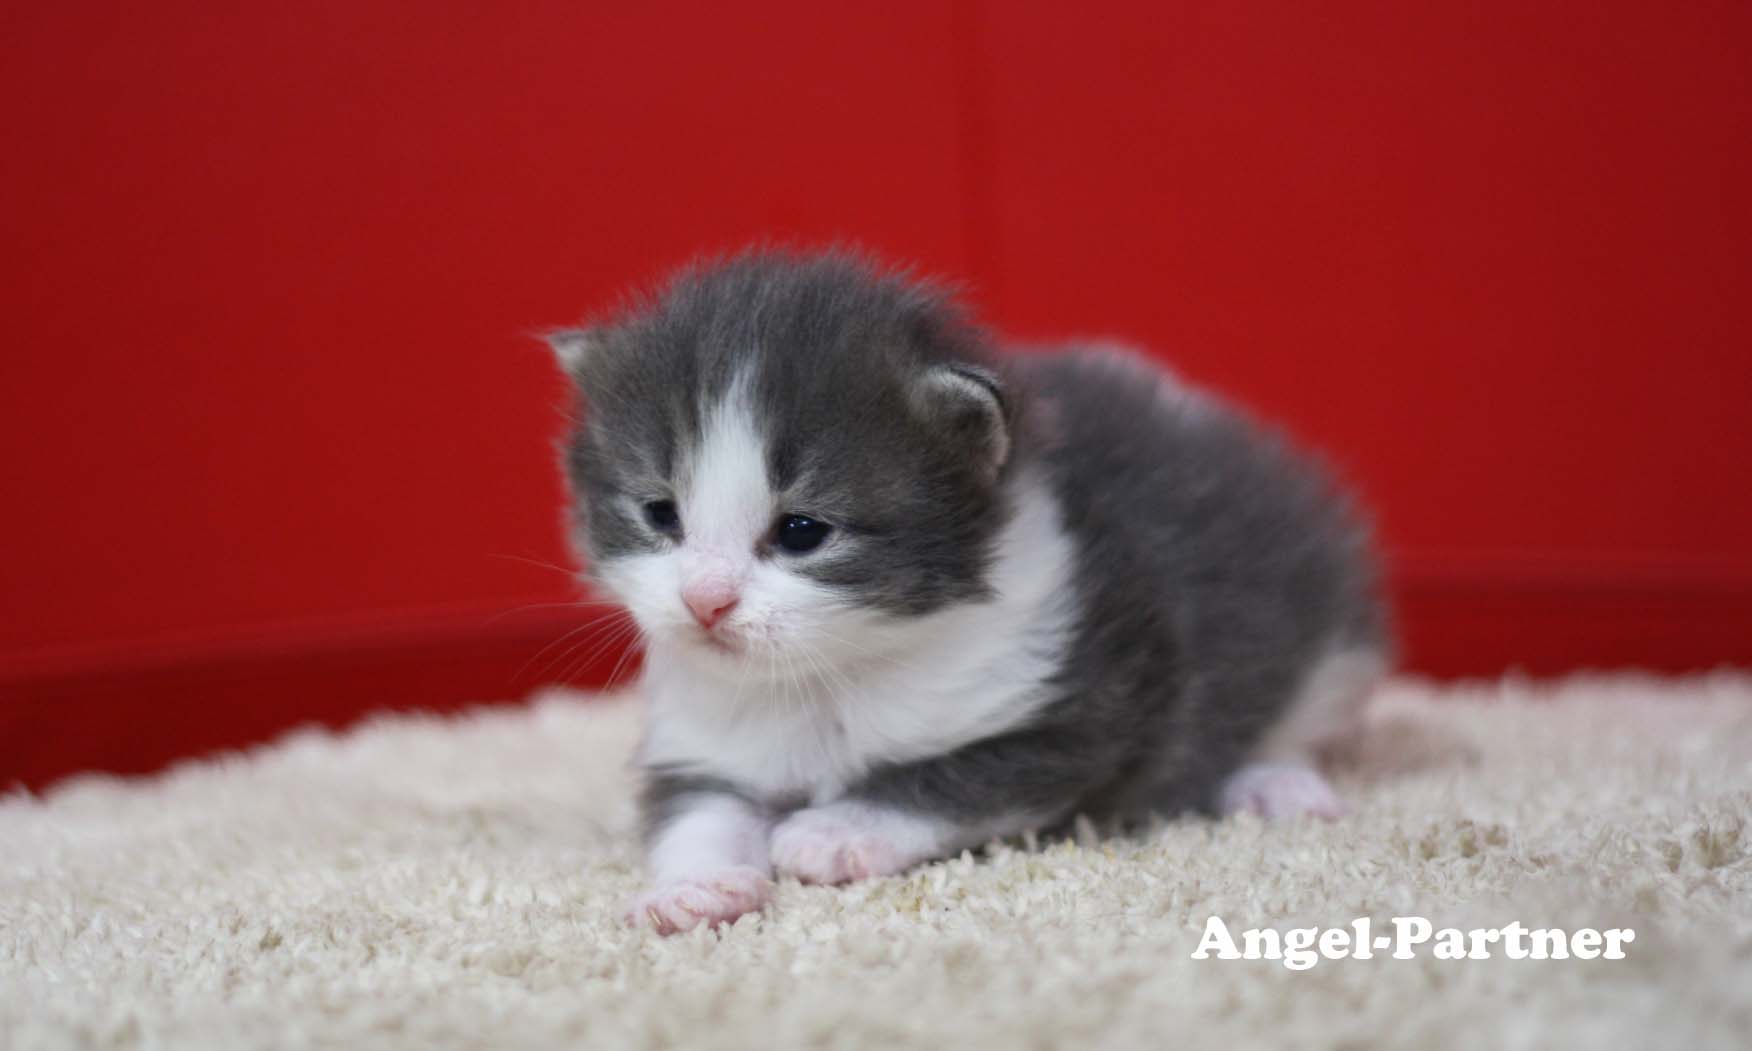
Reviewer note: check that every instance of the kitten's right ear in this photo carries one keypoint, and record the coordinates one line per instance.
(572, 346)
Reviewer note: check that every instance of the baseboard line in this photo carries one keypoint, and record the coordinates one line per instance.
(132, 708)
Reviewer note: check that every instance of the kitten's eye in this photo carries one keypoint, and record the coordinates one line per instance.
(663, 516)
(800, 533)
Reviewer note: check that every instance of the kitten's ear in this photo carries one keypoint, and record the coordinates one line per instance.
(967, 403)
(572, 346)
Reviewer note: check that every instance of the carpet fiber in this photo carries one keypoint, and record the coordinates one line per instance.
(456, 883)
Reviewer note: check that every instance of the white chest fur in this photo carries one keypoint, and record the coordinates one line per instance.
(906, 690)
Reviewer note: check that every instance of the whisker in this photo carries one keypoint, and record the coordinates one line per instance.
(633, 646)
(794, 698)
(810, 713)
(816, 671)
(570, 572)
(847, 688)
(772, 673)
(592, 626)
(741, 676)
(868, 652)
(575, 604)
(538, 653)
(617, 637)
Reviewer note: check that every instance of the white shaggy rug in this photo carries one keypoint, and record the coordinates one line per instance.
(425, 882)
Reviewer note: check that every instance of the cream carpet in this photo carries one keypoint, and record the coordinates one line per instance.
(423, 882)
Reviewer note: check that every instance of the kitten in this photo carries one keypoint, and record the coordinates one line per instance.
(901, 595)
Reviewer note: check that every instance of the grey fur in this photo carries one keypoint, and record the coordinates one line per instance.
(1215, 564)
(1216, 567)
(836, 350)
(666, 793)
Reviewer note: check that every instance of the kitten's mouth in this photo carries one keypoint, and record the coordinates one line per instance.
(719, 643)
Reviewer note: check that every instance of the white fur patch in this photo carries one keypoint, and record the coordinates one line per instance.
(1327, 708)
(714, 833)
(861, 689)
(848, 840)
(708, 865)
(1280, 790)
(571, 346)
(726, 508)
(725, 500)
(1281, 779)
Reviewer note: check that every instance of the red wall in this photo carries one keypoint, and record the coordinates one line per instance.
(276, 446)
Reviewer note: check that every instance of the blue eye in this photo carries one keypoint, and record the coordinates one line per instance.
(663, 516)
(800, 533)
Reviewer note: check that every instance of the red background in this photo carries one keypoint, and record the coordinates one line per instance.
(276, 444)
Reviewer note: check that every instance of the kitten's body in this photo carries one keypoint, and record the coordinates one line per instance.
(1055, 584)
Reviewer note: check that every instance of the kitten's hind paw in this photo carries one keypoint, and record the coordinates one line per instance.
(1280, 790)
(713, 898)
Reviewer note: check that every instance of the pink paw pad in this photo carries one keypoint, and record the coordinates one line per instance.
(1281, 790)
(719, 897)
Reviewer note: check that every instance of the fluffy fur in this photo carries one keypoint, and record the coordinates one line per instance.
(1051, 584)
(455, 883)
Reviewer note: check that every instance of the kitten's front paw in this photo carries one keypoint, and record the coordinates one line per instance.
(715, 898)
(1280, 790)
(820, 846)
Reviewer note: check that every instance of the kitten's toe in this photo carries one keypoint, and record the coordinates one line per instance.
(711, 899)
(1280, 790)
(818, 847)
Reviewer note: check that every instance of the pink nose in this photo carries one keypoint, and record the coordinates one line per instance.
(709, 605)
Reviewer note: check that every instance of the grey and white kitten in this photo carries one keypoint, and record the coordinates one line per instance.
(901, 594)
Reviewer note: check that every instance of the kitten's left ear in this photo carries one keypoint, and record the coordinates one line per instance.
(571, 346)
(968, 403)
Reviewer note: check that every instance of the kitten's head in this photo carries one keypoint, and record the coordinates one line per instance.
(782, 457)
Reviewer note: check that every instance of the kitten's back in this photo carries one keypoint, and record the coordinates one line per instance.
(1219, 567)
